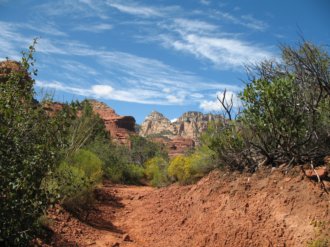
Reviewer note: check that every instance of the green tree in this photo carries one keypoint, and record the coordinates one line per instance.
(142, 149)
(287, 108)
(156, 171)
(29, 144)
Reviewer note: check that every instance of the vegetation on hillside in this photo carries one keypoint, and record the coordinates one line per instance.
(285, 115)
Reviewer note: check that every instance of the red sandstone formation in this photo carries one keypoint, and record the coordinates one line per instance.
(8, 67)
(52, 108)
(179, 135)
(179, 145)
(119, 127)
(176, 146)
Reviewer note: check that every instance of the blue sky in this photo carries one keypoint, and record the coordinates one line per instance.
(165, 55)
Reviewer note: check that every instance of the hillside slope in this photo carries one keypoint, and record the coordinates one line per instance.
(220, 210)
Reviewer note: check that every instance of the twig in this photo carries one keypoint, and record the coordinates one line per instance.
(318, 177)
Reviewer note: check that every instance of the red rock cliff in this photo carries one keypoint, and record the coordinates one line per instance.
(119, 127)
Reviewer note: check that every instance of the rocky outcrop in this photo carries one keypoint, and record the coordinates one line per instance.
(179, 135)
(192, 124)
(52, 107)
(179, 145)
(119, 127)
(157, 125)
(189, 125)
(9, 67)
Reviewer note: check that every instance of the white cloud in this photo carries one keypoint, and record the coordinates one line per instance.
(251, 22)
(94, 28)
(187, 25)
(135, 9)
(205, 2)
(215, 106)
(73, 9)
(102, 90)
(245, 20)
(133, 78)
(167, 90)
(176, 99)
(223, 52)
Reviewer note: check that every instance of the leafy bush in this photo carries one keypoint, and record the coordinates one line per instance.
(142, 149)
(76, 178)
(83, 126)
(90, 164)
(285, 117)
(287, 110)
(227, 144)
(133, 174)
(180, 169)
(118, 165)
(202, 161)
(29, 144)
(156, 171)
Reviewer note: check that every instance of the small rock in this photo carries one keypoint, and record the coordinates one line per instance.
(115, 245)
(126, 238)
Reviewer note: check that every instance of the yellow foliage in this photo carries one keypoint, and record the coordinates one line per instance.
(155, 170)
(180, 168)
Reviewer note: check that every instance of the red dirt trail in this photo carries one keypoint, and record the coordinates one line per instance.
(220, 210)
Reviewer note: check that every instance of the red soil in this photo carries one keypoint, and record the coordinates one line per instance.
(220, 210)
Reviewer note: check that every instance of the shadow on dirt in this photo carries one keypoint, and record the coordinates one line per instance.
(94, 216)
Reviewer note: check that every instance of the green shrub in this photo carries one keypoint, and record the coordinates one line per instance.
(202, 161)
(226, 144)
(29, 144)
(133, 174)
(142, 149)
(285, 116)
(87, 162)
(75, 179)
(156, 171)
(79, 173)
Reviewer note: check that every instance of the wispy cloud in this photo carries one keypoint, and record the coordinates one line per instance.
(208, 42)
(73, 9)
(94, 28)
(134, 78)
(224, 53)
(245, 20)
(251, 22)
(215, 105)
(205, 2)
(135, 9)
(187, 25)
(79, 68)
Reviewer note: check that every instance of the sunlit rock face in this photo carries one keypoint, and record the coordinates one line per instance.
(119, 127)
(10, 67)
(179, 135)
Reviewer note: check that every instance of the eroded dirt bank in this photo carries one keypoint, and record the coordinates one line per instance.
(220, 210)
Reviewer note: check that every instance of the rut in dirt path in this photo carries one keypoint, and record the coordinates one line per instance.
(123, 201)
(104, 225)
